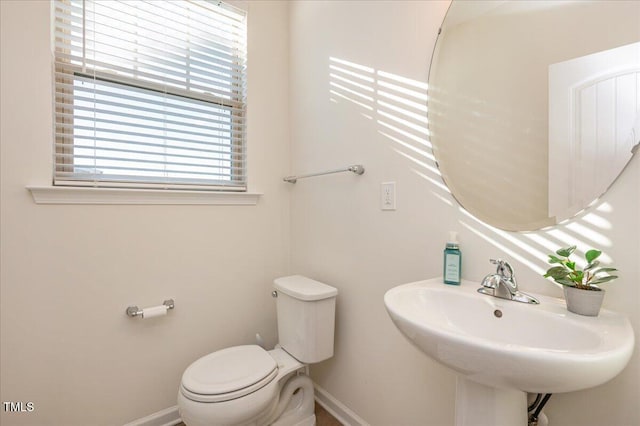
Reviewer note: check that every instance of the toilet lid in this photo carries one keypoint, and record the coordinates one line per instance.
(238, 370)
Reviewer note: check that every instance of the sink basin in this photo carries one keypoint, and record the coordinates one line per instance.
(508, 345)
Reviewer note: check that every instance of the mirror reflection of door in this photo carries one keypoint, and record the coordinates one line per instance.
(594, 103)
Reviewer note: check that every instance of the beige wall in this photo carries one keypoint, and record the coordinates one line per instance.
(339, 234)
(69, 272)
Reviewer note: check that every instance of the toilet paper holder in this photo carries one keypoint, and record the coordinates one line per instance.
(134, 311)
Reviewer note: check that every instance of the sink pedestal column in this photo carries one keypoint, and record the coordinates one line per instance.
(480, 405)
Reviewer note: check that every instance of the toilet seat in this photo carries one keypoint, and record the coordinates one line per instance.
(228, 374)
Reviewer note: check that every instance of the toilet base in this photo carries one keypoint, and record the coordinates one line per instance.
(296, 406)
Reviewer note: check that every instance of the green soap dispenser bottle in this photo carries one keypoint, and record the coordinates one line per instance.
(452, 260)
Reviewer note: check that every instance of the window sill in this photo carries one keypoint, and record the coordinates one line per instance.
(77, 195)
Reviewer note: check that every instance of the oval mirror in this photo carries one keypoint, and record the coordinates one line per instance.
(534, 106)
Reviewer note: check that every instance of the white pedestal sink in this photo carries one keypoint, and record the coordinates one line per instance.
(503, 349)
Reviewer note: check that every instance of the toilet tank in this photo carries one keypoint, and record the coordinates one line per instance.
(306, 317)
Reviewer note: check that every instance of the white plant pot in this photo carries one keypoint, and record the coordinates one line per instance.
(584, 302)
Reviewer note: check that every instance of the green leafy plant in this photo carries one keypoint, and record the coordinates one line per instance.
(566, 273)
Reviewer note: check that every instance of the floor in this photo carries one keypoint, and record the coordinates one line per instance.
(323, 418)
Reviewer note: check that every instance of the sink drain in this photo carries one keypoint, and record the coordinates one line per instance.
(497, 313)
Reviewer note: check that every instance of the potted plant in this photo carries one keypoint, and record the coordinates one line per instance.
(580, 291)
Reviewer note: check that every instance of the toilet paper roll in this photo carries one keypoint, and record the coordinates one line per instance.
(156, 311)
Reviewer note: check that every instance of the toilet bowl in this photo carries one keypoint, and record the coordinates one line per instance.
(247, 385)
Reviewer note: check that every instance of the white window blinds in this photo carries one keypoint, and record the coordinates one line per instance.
(150, 94)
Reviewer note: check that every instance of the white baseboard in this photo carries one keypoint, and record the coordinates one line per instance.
(171, 417)
(166, 417)
(337, 409)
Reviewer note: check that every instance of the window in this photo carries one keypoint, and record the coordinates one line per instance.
(150, 94)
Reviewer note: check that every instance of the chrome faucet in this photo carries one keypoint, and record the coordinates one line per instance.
(503, 284)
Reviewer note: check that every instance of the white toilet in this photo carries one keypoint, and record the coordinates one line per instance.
(247, 385)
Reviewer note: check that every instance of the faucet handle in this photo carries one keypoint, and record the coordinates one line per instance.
(500, 263)
(504, 268)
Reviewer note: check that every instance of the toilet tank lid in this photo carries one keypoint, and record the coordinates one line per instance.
(304, 288)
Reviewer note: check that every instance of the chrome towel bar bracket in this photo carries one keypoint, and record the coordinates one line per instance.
(356, 168)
